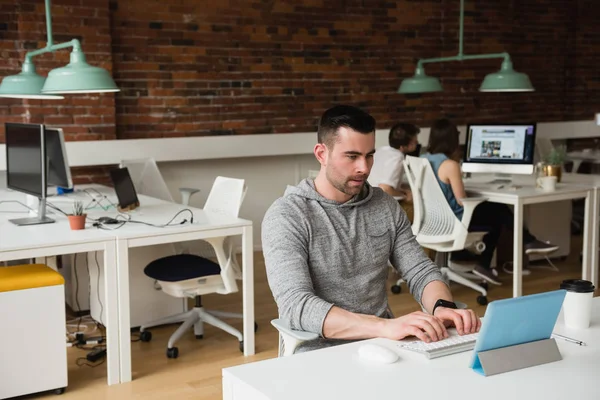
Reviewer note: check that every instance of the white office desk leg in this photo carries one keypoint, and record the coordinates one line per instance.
(586, 266)
(124, 309)
(111, 313)
(248, 288)
(594, 246)
(518, 250)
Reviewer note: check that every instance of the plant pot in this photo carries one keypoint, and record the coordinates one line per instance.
(77, 222)
(553, 170)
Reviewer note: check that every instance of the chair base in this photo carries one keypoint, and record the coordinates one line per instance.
(196, 318)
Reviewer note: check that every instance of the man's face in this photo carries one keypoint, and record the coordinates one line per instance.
(411, 146)
(348, 164)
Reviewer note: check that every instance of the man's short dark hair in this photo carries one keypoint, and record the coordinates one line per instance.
(443, 138)
(343, 116)
(402, 134)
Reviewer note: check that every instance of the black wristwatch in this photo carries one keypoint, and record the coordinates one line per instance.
(443, 303)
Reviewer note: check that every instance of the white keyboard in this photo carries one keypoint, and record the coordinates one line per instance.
(452, 345)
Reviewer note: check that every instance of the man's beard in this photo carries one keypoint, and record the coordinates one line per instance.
(345, 186)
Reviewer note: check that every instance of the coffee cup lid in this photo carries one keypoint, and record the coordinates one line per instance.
(577, 286)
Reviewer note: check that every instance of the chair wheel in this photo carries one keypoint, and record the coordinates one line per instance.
(482, 300)
(145, 336)
(173, 352)
(255, 327)
(242, 346)
(396, 289)
(485, 285)
(199, 336)
(59, 391)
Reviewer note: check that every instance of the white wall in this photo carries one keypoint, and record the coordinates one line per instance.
(266, 178)
(268, 163)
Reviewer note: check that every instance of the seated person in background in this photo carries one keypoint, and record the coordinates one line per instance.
(327, 243)
(388, 167)
(492, 217)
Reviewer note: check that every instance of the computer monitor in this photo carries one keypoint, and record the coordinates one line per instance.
(58, 170)
(500, 148)
(26, 166)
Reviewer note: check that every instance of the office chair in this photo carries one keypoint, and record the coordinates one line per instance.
(148, 181)
(290, 339)
(436, 227)
(189, 275)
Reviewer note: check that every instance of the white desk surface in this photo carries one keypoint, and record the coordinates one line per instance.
(338, 373)
(14, 238)
(523, 189)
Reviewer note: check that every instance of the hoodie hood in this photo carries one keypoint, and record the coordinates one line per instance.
(306, 189)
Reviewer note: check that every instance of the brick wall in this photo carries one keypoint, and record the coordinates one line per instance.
(192, 68)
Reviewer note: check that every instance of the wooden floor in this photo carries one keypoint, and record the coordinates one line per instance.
(196, 374)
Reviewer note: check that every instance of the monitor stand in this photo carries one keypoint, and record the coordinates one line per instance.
(501, 179)
(39, 219)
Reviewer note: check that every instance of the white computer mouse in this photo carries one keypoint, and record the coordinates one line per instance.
(377, 354)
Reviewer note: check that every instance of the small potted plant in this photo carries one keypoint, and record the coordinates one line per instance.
(77, 218)
(554, 162)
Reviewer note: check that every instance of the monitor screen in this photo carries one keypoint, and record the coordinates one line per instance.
(25, 151)
(502, 147)
(59, 173)
(124, 188)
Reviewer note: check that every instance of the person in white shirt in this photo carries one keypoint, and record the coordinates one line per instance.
(388, 170)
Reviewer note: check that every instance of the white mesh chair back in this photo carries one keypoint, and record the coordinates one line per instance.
(434, 221)
(147, 178)
(225, 198)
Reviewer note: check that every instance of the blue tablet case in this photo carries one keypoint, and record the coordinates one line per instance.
(517, 321)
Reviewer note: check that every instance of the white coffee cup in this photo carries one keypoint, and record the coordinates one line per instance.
(547, 183)
(577, 306)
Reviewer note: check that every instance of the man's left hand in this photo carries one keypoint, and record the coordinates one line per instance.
(465, 321)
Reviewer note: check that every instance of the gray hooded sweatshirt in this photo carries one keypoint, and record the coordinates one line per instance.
(319, 253)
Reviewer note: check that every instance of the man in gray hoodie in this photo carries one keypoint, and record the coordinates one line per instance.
(327, 244)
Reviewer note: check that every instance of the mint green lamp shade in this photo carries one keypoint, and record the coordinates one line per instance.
(27, 84)
(79, 77)
(420, 83)
(506, 80)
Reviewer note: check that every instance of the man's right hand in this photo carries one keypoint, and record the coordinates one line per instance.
(424, 326)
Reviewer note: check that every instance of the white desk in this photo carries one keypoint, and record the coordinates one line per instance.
(116, 260)
(19, 242)
(527, 194)
(338, 373)
(205, 225)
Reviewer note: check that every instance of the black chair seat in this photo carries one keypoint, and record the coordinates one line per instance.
(181, 267)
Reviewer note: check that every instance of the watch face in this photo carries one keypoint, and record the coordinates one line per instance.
(445, 303)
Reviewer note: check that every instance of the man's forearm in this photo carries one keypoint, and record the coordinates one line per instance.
(342, 324)
(434, 291)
